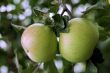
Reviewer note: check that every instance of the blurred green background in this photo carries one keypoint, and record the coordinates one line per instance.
(17, 14)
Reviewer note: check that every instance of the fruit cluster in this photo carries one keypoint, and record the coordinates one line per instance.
(76, 45)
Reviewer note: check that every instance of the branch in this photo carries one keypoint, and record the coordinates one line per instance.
(18, 26)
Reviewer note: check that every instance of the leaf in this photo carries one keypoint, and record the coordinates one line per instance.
(58, 20)
(67, 66)
(61, 23)
(104, 21)
(91, 68)
(3, 57)
(97, 57)
(18, 27)
(103, 33)
(40, 15)
(105, 48)
(49, 22)
(66, 19)
(49, 67)
(0, 36)
(99, 5)
(16, 60)
(55, 6)
(39, 11)
(29, 69)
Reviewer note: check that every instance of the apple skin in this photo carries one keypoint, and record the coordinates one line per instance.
(78, 44)
(39, 42)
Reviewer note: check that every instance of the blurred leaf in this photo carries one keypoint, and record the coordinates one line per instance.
(49, 22)
(66, 19)
(34, 2)
(103, 33)
(46, 3)
(105, 22)
(42, 9)
(39, 12)
(60, 23)
(0, 36)
(40, 15)
(49, 67)
(105, 48)
(103, 17)
(55, 6)
(67, 66)
(91, 68)
(18, 27)
(97, 57)
(29, 69)
(3, 57)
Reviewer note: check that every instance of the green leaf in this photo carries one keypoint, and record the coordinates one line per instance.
(99, 5)
(0, 36)
(54, 7)
(18, 27)
(66, 19)
(40, 15)
(67, 66)
(49, 22)
(3, 57)
(104, 21)
(58, 20)
(29, 69)
(61, 23)
(103, 33)
(39, 11)
(91, 68)
(49, 67)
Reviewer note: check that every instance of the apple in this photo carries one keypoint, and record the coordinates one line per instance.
(39, 42)
(78, 44)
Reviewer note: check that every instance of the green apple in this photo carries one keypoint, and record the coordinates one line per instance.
(78, 44)
(39, 42)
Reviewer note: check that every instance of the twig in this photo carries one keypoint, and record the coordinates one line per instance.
(18, 26)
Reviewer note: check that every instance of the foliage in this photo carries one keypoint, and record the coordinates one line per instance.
(16, 15)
